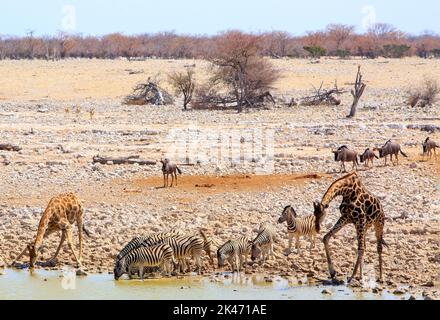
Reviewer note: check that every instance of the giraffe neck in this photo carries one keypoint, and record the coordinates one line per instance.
(42, 228)
(342, 187)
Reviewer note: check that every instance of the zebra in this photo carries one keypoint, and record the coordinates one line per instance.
(209, 246)
(298, 227)
(184, 247)
(155, 256)
(149, 239)
(235, 251)
(263, 242)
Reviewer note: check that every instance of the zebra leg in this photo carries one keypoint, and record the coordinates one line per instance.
(141, 272)
(297, 244)
(289, 249)
(312, 242)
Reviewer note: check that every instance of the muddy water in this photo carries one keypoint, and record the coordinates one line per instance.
(15, 284)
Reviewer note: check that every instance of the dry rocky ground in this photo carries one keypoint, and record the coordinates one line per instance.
(226, 199)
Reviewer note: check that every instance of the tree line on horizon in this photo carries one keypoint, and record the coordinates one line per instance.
(381, 40)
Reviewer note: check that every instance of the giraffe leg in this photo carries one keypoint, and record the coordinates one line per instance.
(360, 230)
(379, 237)
(79, 222)
(337, 227)
(69, 235)
(63, 238)
(20, 255)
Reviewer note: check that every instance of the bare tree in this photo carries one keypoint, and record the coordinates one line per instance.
(242, 69)
(359, 88)
(183, 83)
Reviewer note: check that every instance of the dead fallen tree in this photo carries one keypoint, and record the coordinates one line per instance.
(208, 98)
(323, 97)
(9, 147)
(123, 160)
(148, 93)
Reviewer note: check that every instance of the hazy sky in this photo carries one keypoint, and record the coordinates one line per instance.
(97, 17)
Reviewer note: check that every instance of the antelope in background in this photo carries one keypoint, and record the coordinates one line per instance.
(344, 154)
(367, 157)
(428, 147)
(167, 169)
(390, 148)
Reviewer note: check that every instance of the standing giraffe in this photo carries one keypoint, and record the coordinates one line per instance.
(358, 207)
(61, 213)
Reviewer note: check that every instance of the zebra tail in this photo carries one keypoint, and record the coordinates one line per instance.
(178, 170)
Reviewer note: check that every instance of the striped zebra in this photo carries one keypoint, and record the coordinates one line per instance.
(185, 247)
(209, 246)
(298, 227)
(149, 239)
(263, 242)
(154, 256)
(235, 251)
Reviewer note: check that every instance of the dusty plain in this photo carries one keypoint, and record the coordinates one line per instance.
(45, 108)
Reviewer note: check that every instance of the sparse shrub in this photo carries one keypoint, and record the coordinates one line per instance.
(183, 83)
(343, 53)
(425, 94)
(395, 51)
(92, 113)
(316, 51)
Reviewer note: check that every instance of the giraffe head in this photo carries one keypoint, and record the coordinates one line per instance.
(319, 213)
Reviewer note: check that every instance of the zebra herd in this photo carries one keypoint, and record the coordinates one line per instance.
(169, 251)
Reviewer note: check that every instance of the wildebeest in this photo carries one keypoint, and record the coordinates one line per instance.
(344, 154)
(167, 169)
(428, 147)
(390, 148)
(368, 156)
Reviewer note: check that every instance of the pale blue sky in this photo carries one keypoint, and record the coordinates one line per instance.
(208, 17)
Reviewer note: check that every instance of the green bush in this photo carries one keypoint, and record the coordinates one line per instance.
(315, 51)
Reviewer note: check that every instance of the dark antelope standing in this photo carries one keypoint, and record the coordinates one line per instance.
(344, 154)
(358, 207)
(390, 148)
(428, 147)
(368, 156)
(167, 169)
